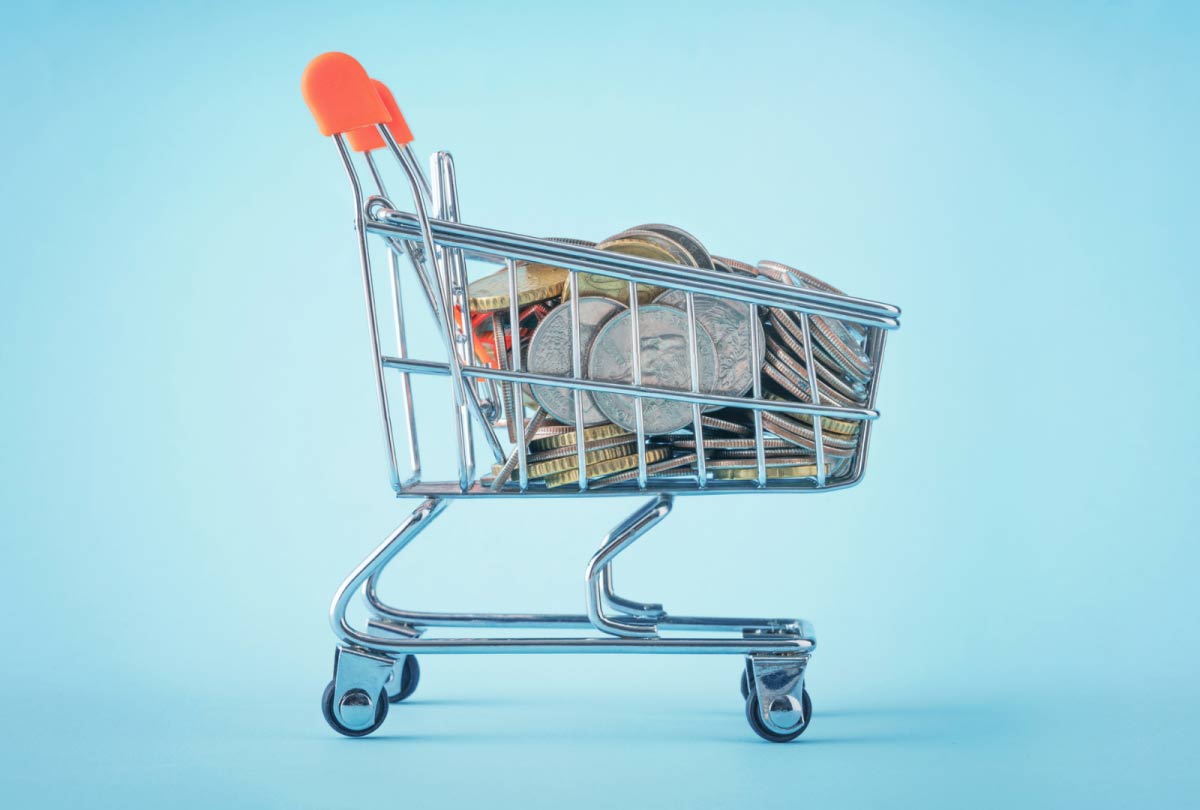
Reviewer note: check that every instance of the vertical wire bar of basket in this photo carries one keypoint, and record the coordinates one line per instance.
(876, 339)
(453, 273)
(639, 422)
(694, 368)
(406, 394)
(518, 410)
(758, 356)
(364, 254)
(815, 395)
(577, 374)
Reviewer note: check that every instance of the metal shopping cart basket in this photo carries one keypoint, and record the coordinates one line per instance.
(798, 421)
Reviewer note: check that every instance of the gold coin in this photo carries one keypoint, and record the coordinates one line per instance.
(680, 241)
(842, 426)
(642, 246)
(541, 469)
(566, 438)
(791, 460)
(539, 465)
(750, 473)
(603, 468)
(663, 468)
(535, 282)
(571, 449)
(802, 436)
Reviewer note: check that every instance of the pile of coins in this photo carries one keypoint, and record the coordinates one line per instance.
(724, 335)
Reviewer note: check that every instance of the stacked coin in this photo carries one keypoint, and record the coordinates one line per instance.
(553, 456)
(717, 345)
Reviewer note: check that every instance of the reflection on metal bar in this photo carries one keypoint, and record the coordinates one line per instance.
(717, 400)
(639, 419)
(648, 392)
(517, 400)
(689, 279)
(406, 393)
(758, 355)
(625, 489)
(364, 255)
(694, 376)
(577, 372)
(877, 338)
(453, 274)
(818, 439)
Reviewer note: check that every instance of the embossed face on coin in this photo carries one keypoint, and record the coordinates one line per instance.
(728, 323)
(550, 353)
(664, 362)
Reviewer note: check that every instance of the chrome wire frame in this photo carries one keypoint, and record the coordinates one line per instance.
(506, 250)
(436, 247)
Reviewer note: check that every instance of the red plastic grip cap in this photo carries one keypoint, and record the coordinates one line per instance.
(340, 95)
(397, 126)
(368, 139)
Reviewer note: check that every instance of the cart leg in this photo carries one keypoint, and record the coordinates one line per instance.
(640, 619)
(620, 604)
(356, 700)
(649, 610)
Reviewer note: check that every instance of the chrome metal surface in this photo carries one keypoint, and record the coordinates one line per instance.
(358, 678)
(640, 522)
(779, 684)
(406, 226)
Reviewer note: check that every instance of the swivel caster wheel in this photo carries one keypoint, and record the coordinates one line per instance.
(785, 708)
(355, 703)
(405, 677)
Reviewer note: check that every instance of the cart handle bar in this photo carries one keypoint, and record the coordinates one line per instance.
(344, 100)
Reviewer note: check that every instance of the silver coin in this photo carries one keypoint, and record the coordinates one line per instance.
(856, 331)
(728, 323)
(828, 372)
(664, 363)
(741, 268)
(844, 339)
(550, 353)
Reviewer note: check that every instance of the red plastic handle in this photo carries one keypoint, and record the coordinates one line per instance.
(340, 95)
(368, 138)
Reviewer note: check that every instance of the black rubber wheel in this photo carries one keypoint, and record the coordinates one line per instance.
(745, 685)
(410, 676)
(381, 710)
(756, 723)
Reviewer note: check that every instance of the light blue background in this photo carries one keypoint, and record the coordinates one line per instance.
(191, 456)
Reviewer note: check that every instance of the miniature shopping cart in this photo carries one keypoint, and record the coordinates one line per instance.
(375, 665)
